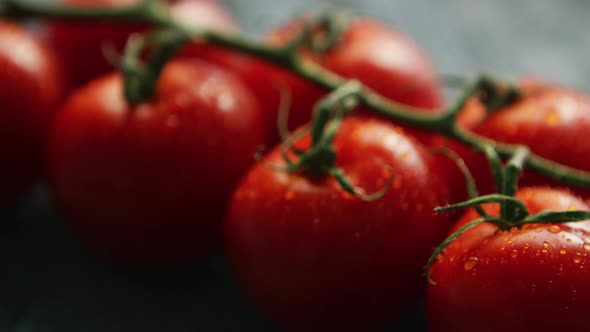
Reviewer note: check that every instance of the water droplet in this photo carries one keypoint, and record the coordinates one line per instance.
(289, 195)
(577, 258)
(470, 263)
(569, 240)
(502, 248)
(514, 253)
(552, 119)
(587, 246)
(172, 121)
(562, 251)
(538, 229)
(544, 250)
(545, 244)
(554, 229)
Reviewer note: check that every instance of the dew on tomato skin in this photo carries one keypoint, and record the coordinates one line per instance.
(545, 244)
(578, 258)
(552, 119)
(554, 229)
(562, 251)
(586, 246)
(538, 229)
(544, 250)
(514, 254)
(289, 195)
(569, 240)
(470, 263)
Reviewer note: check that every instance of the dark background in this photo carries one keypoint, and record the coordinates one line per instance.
(48, 283)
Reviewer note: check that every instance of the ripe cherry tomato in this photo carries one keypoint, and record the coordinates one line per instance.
(30, 89)
(314, 258)
(381, 57)
(551, 120)
(146, 185)
(494, 280)
(80, 44)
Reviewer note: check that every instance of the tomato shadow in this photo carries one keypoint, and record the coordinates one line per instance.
(49, 282)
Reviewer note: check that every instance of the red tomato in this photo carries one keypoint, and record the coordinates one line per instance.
(147, 185)
(30, 89)
(494, 280)
(314, 258)
(80, 44)
(379, 56)
(552, 121)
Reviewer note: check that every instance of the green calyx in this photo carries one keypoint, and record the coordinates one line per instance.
(320, 158)
(141, 77)
(513, 212)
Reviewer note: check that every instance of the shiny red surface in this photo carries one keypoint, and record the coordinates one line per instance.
(553, 121)
(529, 279)
(314, 258)
(146, 185)
(30, 89)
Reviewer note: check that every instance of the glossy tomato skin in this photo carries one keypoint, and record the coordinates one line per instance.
(529, 279)
(379, 56)
(314, 258)
(31, 87)
(553, 121)
(146, 185)
(80, 44)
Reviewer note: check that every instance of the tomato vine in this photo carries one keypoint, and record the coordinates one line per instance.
(493, 93)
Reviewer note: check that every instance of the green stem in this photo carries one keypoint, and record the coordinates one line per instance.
(154, 12)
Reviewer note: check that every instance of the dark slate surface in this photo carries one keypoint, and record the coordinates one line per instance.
(48, 283)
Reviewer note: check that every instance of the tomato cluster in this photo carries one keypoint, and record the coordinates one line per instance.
(173, 179)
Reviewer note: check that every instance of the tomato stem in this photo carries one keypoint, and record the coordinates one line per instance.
(494, 93)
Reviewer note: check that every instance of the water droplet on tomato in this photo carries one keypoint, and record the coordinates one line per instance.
(577, 258)
(544, 250)
(545, 244)
(538, 229)
(562, 251)
(552, 119)
(470, 263)
(554, 229)
(587, 246)
(514, 253)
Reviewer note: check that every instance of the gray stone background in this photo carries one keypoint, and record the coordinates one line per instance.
(48, 283)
